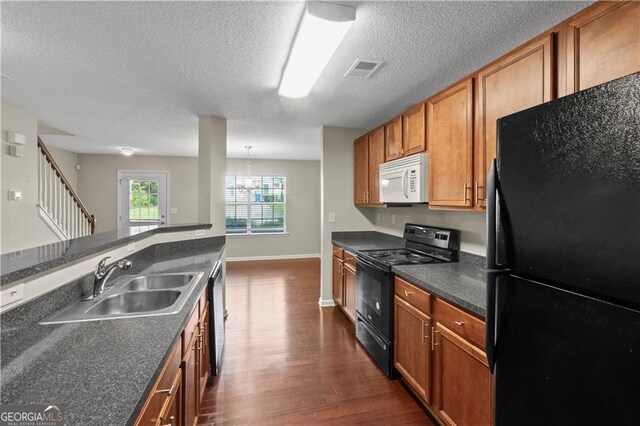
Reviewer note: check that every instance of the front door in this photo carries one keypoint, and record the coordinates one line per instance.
(142, 198)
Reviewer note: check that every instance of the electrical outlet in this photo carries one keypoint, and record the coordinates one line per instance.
(131, 246)
(332, 217)
(393, 219)
(200, 232)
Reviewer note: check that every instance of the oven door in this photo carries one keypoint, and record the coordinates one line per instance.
(374, 296)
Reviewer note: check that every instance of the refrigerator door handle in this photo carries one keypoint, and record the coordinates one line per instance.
(490, 326)
(491, 217)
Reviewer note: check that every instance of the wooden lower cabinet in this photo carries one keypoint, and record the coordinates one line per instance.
(462, 381)
(343, 286)
(336, 285)
(412, 351)
(448, 372)
(349, 291)
(177, 394)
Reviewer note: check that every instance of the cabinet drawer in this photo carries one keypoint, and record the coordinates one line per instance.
(338, 252)
(460, 322)
(162, 390)
(190, 328)
(418, 298)
(350, 259)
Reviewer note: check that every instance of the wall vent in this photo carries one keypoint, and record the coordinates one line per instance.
(363, 69)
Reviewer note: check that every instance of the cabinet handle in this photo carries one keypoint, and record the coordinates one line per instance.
(466, 189)
(478, 189)
(167, 391)
(433, 339)
(171, 421)
(199, 342)
(407, 293)
(459, 323)
(425, 335)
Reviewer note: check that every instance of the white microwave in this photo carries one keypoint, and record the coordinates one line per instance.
(404, 180)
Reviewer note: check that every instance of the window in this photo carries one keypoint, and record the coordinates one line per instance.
(255, 204)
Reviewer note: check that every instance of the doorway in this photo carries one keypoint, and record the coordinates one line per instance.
(142, 198)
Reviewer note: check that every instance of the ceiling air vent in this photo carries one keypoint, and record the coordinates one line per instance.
(363, 69)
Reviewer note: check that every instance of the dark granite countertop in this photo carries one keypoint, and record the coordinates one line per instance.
(100, 372)
(462, 283)
(366, 240)
(25, 263)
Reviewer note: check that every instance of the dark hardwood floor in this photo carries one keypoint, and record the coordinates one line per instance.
(287, 361)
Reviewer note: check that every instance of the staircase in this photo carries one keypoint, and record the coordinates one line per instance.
(59, 205)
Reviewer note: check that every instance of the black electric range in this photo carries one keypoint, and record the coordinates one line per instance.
(375, 289)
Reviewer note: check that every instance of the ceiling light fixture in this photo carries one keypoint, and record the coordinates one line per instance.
(127, 151)
(322, 29)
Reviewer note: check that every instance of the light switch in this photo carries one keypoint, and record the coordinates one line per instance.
(332, 217)
(174, 210)
(15, 195)
(12, 294)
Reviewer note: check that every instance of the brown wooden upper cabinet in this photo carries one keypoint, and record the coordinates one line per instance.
(413, 131)
(376, 157)
(603, 43)
(368, 154)
(450, 139)
(361, 170)
(517, 81)
(393, 139)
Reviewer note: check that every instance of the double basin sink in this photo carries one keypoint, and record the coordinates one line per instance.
(132, 296)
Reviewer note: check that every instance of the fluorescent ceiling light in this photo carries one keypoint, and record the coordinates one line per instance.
(127, 151)
(322, 29)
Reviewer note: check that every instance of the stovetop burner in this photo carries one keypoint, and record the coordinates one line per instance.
(401, 257)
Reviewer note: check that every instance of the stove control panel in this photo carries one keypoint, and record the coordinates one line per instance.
(438, 237)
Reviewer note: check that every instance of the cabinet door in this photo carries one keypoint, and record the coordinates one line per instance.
(450, 139)
(337, 280)
(350, 291)
(412, 352)
(202, 345)
(603, 43)
(172, 411)
(190, 383)
(462, 385)
(361, 170)
(413, 131)
(376, 157)
(516, 82)
(393, 139)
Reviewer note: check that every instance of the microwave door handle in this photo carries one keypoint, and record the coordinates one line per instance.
(404, 182)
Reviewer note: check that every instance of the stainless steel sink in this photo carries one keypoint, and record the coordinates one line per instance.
(133, 296)
(135, 301)
(158, 282)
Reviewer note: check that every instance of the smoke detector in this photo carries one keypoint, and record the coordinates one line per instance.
(363, 69)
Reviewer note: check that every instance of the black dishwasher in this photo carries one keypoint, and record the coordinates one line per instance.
(216, 313)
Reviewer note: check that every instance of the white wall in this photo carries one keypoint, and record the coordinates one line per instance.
(471, 225)
(67, 161)
(302, 211)
(21, 226)
(97, 184)
(337, 196)
(212, 165)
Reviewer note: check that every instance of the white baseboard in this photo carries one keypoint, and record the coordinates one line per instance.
(326, 303)
(282, 257)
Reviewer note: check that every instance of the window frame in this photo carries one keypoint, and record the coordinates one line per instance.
(248, 231)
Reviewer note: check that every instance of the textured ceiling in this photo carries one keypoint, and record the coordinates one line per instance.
(139, 74)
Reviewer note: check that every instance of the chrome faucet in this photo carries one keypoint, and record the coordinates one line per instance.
(103, 273)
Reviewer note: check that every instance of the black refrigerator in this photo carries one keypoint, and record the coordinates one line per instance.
(563, 254)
